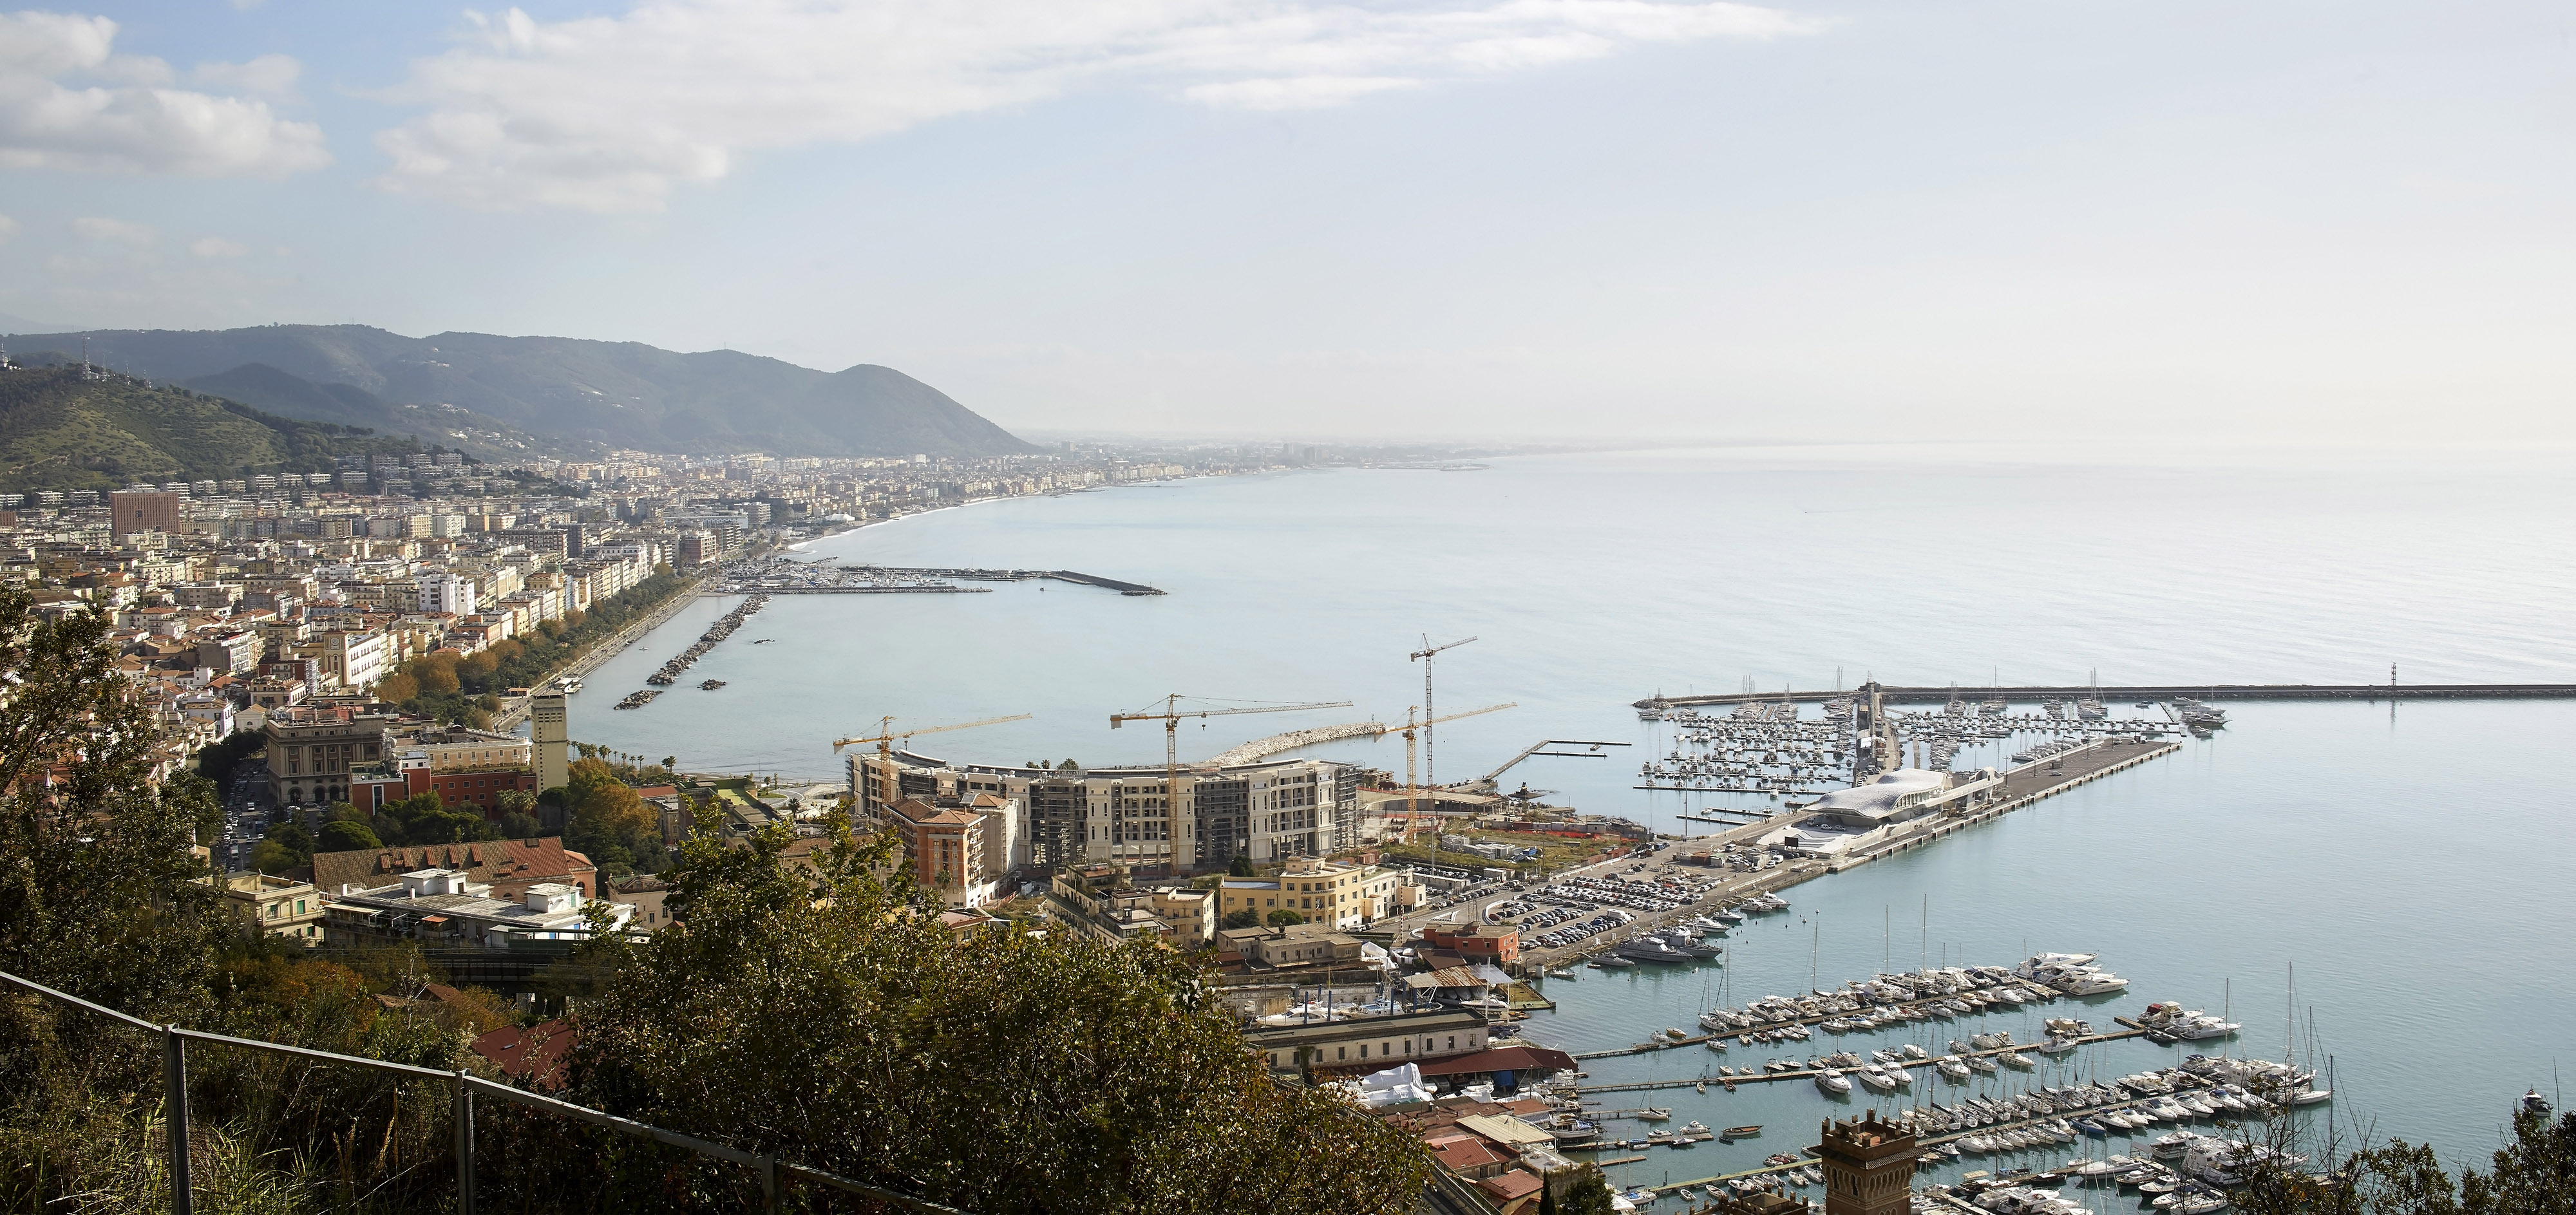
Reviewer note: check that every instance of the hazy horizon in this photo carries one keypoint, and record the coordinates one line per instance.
(1445, 220)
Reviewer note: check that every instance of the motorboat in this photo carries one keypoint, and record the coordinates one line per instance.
(2172, 1147)
(1875, 1079)
(1832, 1081)
(1610, 961)
(1953, 1068)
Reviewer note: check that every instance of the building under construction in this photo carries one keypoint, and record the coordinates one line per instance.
(1270, 810)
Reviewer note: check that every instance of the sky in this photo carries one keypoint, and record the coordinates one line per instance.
(2347, 223)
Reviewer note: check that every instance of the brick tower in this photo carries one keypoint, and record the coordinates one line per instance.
(1869, 1167)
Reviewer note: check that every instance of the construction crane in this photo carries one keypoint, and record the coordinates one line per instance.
(1540, 748)
(886, 736)
(1415, 794)
(1171, 716)
(1424, 656)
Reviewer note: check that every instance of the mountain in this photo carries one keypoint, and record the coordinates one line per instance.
(293, 396)
(60, 430)
(562, 391)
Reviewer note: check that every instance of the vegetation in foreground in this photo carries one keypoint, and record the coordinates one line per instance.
(818, 1012)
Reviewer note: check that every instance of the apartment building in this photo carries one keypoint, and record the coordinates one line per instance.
(1339, 893)
(1271, 811)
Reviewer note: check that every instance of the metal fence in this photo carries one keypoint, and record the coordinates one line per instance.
(174, 1052)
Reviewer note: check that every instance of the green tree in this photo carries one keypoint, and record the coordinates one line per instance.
(1283, 917)
(607, 821)
(346, 837)
(1242, 866)
(1001, 1072)
(424, 818)
(1246, 918)
(97, 889)
(1587, 1194)
(2533, 1174)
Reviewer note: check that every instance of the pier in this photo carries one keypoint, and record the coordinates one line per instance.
(2213, 691)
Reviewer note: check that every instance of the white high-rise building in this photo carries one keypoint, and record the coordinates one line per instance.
(443, 592)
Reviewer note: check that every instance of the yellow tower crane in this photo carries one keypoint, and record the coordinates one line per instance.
(885, 738)
(1171, 715)
(1416, 793)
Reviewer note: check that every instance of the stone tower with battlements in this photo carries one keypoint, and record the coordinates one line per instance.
(1869, 1167)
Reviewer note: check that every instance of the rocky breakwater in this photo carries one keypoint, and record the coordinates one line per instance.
(716, 633)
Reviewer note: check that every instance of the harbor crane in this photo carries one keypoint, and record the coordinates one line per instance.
(1416, 794)
(886, 736)
(1171, 716)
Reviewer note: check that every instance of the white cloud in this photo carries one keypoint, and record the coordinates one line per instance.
(131, 120)
(610, 113)
(216, 246)
(93, 227)
(271, 76)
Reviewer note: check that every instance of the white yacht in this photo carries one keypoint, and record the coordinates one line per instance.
(2090, 981)
(1832, 1081)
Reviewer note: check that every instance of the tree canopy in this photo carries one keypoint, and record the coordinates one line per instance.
(824, 1012)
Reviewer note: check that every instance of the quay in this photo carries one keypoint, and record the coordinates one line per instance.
(2022, 786)
(2218, 691)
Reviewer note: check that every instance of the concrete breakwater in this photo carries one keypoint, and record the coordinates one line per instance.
(2214, 691)
(780, 576)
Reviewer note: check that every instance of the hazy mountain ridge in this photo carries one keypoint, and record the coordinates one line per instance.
(561, 391)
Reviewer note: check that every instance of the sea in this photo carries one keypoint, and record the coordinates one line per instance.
(2379, 887)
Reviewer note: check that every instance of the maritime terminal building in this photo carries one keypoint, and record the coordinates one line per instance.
(1867, 815)
(1271, 811)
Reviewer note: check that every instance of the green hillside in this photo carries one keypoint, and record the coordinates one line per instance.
(289, 395)
(572, 393)
(60, 431)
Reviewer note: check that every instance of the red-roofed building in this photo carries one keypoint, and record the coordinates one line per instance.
(1476, 942)
(1467, 1155)
(533, 1056)
(1515, 1191)
(511, 866)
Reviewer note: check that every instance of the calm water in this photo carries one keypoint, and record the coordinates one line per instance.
(2413, 864)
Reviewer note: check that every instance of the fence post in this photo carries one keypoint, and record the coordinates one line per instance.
(769, 1185)
(464, 1146)
(174, 1098)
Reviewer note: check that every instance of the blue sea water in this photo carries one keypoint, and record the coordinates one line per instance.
(2413, 861)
